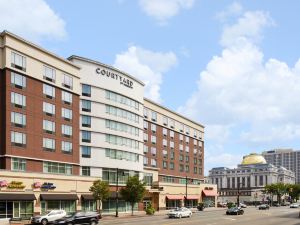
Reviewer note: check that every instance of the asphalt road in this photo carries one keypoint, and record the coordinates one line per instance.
(252, 216)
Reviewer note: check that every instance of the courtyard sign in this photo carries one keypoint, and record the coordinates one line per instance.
(123, 80)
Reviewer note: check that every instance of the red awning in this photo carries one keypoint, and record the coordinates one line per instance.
(192, 197)
(210, 193)
(175, 197)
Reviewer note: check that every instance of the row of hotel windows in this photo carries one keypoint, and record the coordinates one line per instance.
(168, 121)
(169, 179)
(18, 164)
(19, 139)
(171, 143)
(19, 62)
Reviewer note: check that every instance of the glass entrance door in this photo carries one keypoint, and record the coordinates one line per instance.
(16, 211)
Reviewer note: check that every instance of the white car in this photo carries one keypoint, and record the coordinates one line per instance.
(294, 205)
(242, 205)
(49, 217)
(180, 212)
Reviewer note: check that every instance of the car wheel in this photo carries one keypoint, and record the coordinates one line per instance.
(242, 212)
(93, 223)
(44, 221)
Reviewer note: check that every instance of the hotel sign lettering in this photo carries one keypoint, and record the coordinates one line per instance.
(123, 80)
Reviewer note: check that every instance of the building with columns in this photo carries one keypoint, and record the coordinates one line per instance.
(248, 179)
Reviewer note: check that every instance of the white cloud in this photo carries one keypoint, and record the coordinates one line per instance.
(147, 66)
(249, 99)
(162, 10)
(232, 10)
(32, 19)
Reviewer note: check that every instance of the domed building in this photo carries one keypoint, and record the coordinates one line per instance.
(248, 179)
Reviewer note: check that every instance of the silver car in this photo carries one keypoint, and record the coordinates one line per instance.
(180, 212)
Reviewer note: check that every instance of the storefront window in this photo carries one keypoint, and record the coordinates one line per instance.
(89, 205)
(109, 206)
(69, 206)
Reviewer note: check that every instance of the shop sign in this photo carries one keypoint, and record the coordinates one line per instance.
(3, 183)
(16, 185)
(37, 185)
(208, 188)
(48, 186)
(123, 80)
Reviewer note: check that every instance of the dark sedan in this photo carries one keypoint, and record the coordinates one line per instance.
(263, 207)
(90, 218)
(235, 211)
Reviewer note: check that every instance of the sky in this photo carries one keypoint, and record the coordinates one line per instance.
(233, 66)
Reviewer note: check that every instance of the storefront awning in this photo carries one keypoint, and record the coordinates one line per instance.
(49, 197)
(87, 197)
(175, 197)
(209, 193)
(17, 197)
(193, 197)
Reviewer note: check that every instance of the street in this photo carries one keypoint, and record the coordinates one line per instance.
(252, 216)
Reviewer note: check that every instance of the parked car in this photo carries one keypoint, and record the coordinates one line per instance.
(222, 204)
(49, 217)
(180, 212)
(242, 205)
(294, 205)
(235, 211)
(263, 207)
(91, 218)
(276, 204)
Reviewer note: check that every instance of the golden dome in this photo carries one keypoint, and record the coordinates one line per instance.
(253, 158)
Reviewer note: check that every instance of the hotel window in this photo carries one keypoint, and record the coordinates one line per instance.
(49, 109)
(153, 151)
(195, 142)
(165, 153)
(195, 161)
(67, 81)
(187, 130)
(195, 151)
(195, 133)
(49, 144)
(66, 114)
(148, 179)
(66, 130)
(18, 164)
(153, 162)
(153, 116)
(66, 147)
(171, 134)
(165, 121)
(153, 139)
(187, 148)
(66, 97)
(187, 139)
(49, 74)
(86, 171)
(180, 137)
(18, 61)
(165, 165)
(145, 113)
(121, 141)
(145, 125)
(85, 151)
(181, 168)
(200, 170)
(86, 90)
(171, 166)
(187, 158)
(195, 170)
(86, 136)
(85, 121)
(49, 126)
(164, 142)
(180, 127)
(121, 155)
(18, 139)
(187, 168)
(172, 123)
(18, 119)
(165, 132)
(172, 144)
(122, 99)
(57, 168)
(153, 128)
(48, 91)
(145, 137)
(145, 161)
(86, 105)
(122, 113)
(18, 100)
(146, 149)
(200, 143)
(172, 155)
(18, 80)
(181, 157)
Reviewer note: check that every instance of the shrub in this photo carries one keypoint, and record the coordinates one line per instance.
(230, 205)
(150, 210)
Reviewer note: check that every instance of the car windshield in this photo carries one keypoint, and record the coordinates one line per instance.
(70, 215)
(178, 209)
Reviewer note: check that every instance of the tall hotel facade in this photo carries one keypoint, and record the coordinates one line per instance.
(65, 123)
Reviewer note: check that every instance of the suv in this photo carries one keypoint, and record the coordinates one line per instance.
(91, 218)
(50, 217)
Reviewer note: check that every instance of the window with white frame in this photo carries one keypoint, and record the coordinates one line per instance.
(49, 91)
(145, 137)
(153, 162)
(49, 144)
(18, 139)
(164, 142)
(67, 81)
(187, 148)
(181, 147)
(180, 137)
(153, 128)
(165, 153)
(49, 74)
(187, 139)
(153, 151)
(86, 105)
(49, 126)
(66, 114)
(48, 108)
(18, 61)
(165, 131)
(18, 80)
(145, 112)
(153, 139)
(18, 119)
(18, 164)
(171, 134)
(66, 97)
(195, 133)
(153, 116)
(165, 164)
(145, 125)
(85, 151)
(165, 120)
(86, 90)
(66, 146)
(85, 121)
(66, 130)
(195, 142)
(187, 129)
(181, 127)
(145, 161)
(172, 144)
(18, 100)
(172, 123)
(146, 149)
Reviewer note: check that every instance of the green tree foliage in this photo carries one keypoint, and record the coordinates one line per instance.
(100, 190)
(134, 191)
(279, 189)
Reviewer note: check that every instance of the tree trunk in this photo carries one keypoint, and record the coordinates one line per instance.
(100, 211)
(132, 205)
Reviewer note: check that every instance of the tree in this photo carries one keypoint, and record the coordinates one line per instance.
(294, 191)
(134, 191)
(100, 190)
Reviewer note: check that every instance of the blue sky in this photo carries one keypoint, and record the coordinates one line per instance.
(231, 65)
